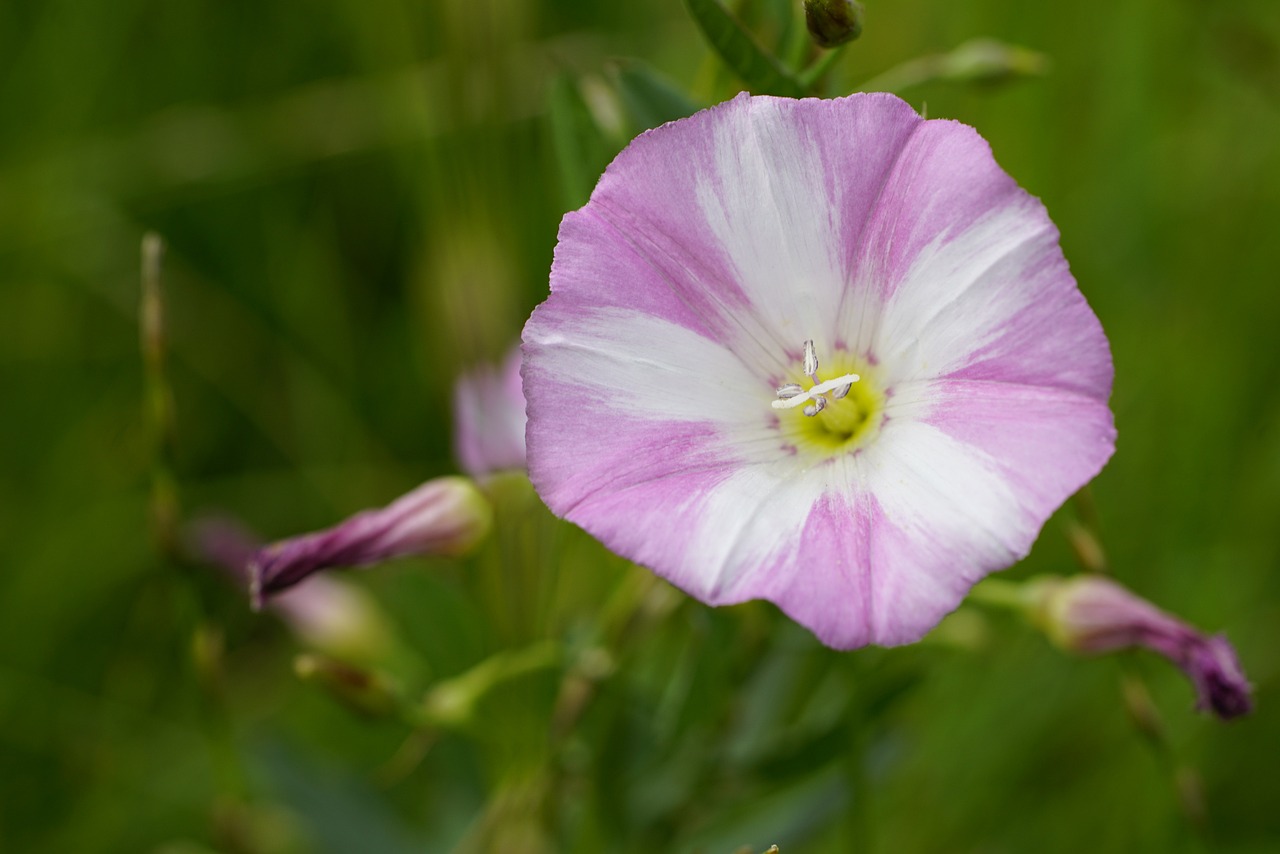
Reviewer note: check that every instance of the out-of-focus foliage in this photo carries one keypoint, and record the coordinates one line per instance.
(360, 199)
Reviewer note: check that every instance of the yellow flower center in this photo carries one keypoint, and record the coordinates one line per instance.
(842, 423)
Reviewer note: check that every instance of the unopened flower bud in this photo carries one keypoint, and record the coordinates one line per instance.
(325, 613)
(445, 516)
(833, 22)
(1091, 614)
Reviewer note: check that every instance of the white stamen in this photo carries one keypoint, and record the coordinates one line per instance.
(810, 360)
(789, 390)
(792, 395)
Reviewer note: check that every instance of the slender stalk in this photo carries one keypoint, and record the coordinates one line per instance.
(859, 817)
(859, 825)
(153, 343)
(1087, 547)
(207, 653)
(1000, 593)
(812, 76)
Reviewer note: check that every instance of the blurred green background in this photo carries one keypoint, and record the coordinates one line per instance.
(360, 198)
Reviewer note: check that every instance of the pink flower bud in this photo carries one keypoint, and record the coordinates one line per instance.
(445, 516)
(1091, 614)
(325, 613)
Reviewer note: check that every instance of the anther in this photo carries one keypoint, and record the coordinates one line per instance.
(810, 360)
(788, 391)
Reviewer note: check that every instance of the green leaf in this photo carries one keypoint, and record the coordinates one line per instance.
(758, 68)
(581, 148)
(650, 98)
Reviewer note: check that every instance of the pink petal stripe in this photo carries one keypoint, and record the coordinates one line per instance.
(1047, 442)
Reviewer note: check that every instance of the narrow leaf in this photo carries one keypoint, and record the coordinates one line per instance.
(758, 68)
(581, 147)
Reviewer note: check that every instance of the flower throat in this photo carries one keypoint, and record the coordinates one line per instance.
(831, 417)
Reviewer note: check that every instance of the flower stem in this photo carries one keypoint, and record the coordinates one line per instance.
(811, 76)
(152, 332)
(860, 818)
(999, 593)
(1083, 533)
(452, 703)
(207, 655)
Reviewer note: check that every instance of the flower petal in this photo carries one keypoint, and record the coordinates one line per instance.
(619, 399)
(972, 279)
(1046, 442)
(681, 294)
(965, 478)
(739, 223)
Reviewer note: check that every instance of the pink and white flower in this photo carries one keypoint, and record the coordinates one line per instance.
(824, 353)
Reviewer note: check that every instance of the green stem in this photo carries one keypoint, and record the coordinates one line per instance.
(859, 819)
(452, 703)
(1086, 544)
(999, 593)
(207, 655)
(164, 504)
(811, 76)
(1084, 533)
(1147, 720)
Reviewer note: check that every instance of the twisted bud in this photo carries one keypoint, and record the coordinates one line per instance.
(1091, 614)
(446, 516)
